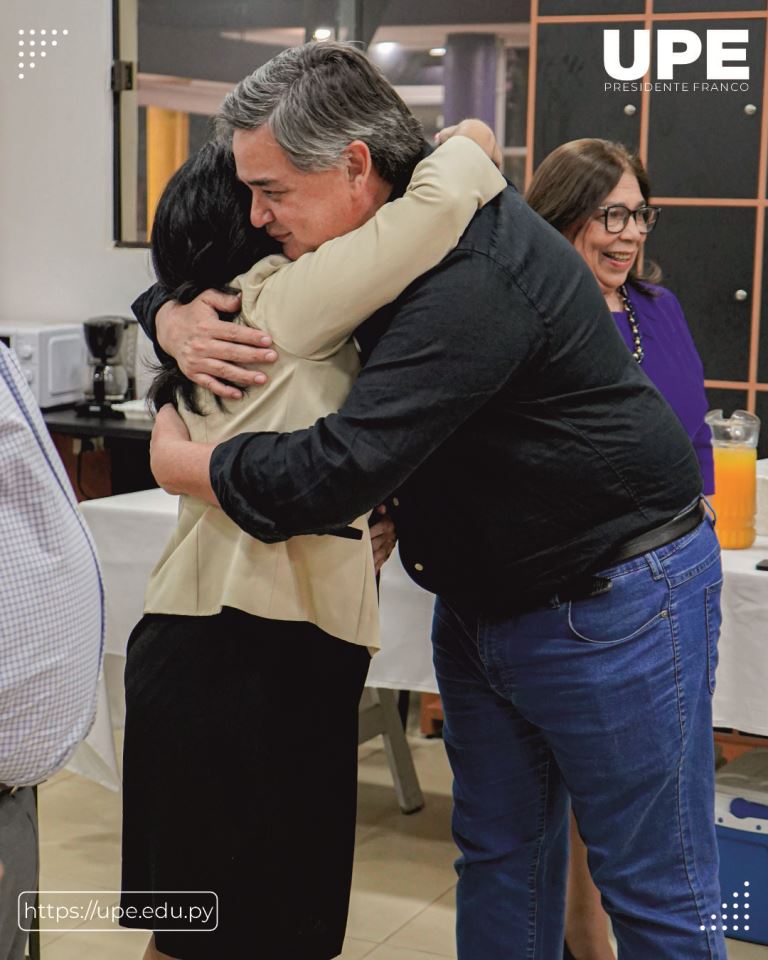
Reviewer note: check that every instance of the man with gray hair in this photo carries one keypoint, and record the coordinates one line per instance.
(290, 123)
(543, 490)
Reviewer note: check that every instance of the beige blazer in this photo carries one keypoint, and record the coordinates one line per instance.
(311, 308)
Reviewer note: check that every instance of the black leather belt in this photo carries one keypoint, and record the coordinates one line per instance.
(589, 585)
(659, 536)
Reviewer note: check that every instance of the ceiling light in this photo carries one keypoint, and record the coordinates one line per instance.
(322, 33)
(386, 47)
(437, 52)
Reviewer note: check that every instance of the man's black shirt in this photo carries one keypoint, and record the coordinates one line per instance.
(500, 405)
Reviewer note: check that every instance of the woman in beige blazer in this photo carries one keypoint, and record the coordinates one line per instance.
(248, 665)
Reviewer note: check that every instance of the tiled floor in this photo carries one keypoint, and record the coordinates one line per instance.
(403, 888)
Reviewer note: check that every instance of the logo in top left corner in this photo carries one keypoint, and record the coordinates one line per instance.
(33, 46)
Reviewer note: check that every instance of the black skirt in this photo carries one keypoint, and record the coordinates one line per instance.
(240, 777)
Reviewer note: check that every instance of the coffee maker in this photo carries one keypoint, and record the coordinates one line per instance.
(109, 380)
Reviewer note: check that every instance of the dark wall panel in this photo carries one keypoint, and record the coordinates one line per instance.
(574, 8)
(706, 6)
(762, 350)
(706, 254)
(704, 143)
(726, 400)
(571, 100)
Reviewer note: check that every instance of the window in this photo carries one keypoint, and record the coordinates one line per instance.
(177, 59)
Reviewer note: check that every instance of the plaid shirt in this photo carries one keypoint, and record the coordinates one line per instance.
(51, 597)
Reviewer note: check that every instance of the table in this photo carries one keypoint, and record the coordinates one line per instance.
(127, 442)
(67, 422)
(741, 696)
(132, 529)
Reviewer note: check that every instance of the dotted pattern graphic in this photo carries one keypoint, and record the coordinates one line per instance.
(34, 45)
(738, 919)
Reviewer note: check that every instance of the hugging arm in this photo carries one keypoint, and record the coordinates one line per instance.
(420, 383)
(209, 350)
(314, 304)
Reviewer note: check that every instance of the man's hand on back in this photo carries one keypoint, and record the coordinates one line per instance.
(209, 350)
(383, 538)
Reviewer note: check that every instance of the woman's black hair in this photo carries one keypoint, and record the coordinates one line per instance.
(202, 237)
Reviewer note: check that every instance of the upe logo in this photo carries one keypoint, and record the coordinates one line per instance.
(676, 48)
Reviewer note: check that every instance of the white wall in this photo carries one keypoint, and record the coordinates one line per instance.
(57, 257)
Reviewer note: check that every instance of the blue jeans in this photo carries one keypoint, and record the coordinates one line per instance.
(607, 700)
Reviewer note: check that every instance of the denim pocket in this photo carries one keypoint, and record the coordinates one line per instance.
(633, 605)
(714, 619)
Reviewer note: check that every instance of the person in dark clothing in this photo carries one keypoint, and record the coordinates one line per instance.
(547, 494)
(597, 195)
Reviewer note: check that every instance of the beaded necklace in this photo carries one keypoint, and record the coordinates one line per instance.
(638, 353)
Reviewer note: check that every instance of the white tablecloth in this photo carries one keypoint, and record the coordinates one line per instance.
(131, 530)
(741, 697)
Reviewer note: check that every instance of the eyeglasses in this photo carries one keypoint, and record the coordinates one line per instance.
(616, 217)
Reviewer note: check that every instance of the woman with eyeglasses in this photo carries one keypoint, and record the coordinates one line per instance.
(596, 194)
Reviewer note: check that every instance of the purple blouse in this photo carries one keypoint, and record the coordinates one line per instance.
(673, 365)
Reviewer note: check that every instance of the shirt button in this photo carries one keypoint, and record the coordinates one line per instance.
(418, 566)
(395, 502)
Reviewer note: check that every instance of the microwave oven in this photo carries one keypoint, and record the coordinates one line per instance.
(53, 359)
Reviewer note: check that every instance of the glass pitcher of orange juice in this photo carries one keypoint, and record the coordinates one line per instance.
(734, 444)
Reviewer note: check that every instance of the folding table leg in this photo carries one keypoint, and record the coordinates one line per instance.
(379, 715)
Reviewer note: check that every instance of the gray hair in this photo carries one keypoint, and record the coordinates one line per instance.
(316, 99)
